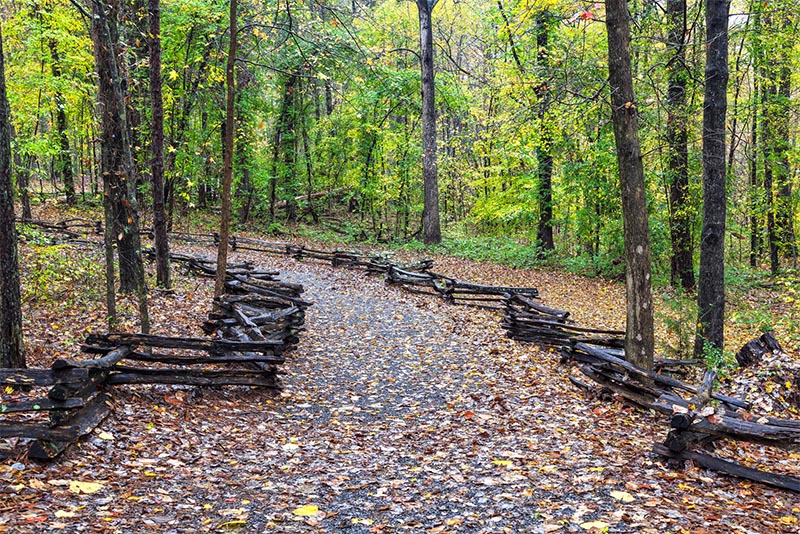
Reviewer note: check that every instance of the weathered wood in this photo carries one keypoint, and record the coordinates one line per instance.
(237, 377)
(541, 308)
(40, 405)
(106, 362)
(730, 468)
(639, 398)
(41, 377)
(84, 421)
(208, 345)
(666, 380)
(204, 360)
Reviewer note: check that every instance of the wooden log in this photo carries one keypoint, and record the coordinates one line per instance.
(41, 377)
(730, 468)
(220, 346)
(238, 377)
(40, 405)
(541, 308)
(171, 359)
(106, 362)
(666, 380)
(641, 399)
(81, 423)
(668, 400)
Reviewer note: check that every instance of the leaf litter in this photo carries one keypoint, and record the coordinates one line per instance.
(399, 414)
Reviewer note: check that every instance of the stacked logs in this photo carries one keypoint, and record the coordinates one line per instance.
(527, 320)
(255, 323)
(456, 291)
(71, 407)
(692, 421)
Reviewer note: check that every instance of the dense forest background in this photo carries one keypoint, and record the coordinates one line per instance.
(329, 121)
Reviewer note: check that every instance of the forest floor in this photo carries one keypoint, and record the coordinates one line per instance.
(399, 413)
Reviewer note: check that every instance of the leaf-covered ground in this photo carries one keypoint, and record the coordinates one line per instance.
(399, 414)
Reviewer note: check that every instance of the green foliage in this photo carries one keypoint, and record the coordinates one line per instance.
(721, 361)
(678, 313)
(62, 276)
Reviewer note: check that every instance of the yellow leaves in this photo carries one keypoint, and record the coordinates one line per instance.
(233, 525)
(600, 526)
(503, 463)
(173, 75)
(309, 510)
(76, 486)
(623, 496)
(789, 520)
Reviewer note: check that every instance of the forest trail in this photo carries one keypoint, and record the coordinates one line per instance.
(399, 413)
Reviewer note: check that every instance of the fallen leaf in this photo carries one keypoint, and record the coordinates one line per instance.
(306, 511)
(623, 496)
(77, 486)
(602, 526)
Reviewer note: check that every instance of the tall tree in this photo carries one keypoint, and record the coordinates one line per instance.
(157, 164)
(545, 150)
(680, 216)
(776, 119)
(11, 348)
(639, 336)
(227, 176)
(431, 228)
(711, 282)
(63, 159)
(117, 165)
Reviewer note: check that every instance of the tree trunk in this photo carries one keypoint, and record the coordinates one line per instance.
(227, 175)
(545, 149)
(116, 158)
(157, 164)
(753, 192)
(63, 159)
(432, 232)
(711, 283)
(680, 210)
(12, 352)
(639, 336)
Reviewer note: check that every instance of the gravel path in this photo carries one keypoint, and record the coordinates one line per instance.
(399, 414)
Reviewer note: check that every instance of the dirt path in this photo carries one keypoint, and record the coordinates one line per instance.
(400, 414)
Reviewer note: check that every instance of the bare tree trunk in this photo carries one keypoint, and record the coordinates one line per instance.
(432, 232)
(639, 336)
(680, 210)
(755, 231)
(63, 158)
(227, 176)
(545, 149)
(157, 165)
(711, 283)
(116, 158)
(12, 353)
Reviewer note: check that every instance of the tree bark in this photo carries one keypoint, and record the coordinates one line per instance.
(431, 228)
(116, 158)
(680, 210)
(157, 165)
(639, 336)
(227, 176)
(711, 283)
(63, 158)
(545, 149)
(12, 352)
